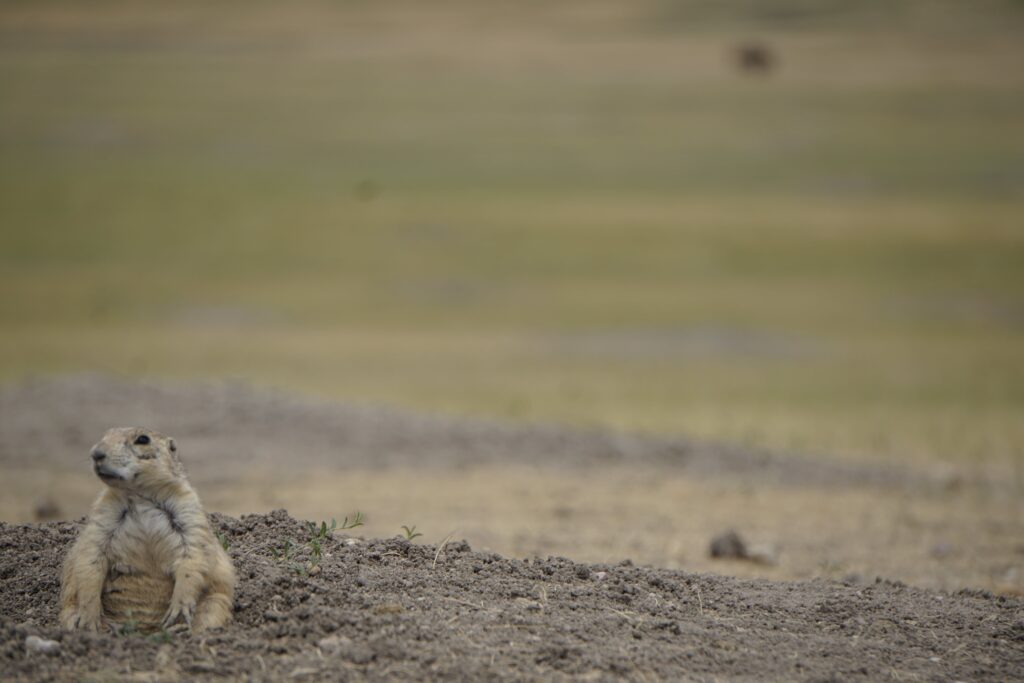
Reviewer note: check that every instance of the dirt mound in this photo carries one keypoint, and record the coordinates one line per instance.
(391, 609)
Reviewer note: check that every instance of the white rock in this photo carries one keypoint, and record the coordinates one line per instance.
(765, 553)
(37, 644)
(333, 644)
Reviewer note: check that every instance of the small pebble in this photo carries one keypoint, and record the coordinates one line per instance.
(333, 644)
(37, 644)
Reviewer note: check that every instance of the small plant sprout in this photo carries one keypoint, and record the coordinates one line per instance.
(325, 530)
(223, 541)
(129, 628)
(317, 534)
(410, 532)
(286, 551)
(357, 520)
(322, 530)
(161, 636)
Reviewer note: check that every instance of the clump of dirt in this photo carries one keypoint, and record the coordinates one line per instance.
(390, 609)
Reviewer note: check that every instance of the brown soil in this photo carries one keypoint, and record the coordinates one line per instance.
(391, 609)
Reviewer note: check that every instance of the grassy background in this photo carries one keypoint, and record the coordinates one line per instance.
(575, 211)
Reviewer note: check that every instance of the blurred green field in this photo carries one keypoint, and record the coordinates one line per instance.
(574, 211)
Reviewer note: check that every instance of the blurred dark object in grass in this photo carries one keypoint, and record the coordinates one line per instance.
(755, 58)
(47, 510)
(366, 190)
(728, 545)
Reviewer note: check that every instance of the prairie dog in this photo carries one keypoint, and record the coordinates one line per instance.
(147, 556)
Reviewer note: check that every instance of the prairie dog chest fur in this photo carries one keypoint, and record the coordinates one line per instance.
(147, 538)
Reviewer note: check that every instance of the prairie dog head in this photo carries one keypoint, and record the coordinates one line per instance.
(136, 459)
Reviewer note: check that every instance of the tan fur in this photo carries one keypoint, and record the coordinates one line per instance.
(147, 556)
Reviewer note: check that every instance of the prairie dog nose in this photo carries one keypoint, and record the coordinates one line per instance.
(98, 456)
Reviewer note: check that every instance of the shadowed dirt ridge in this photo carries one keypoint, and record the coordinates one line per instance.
(390, 609)
(44, 419)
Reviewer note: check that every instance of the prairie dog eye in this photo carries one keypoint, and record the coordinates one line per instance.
(142, 440)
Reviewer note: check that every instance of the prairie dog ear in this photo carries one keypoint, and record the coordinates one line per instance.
(176, 465)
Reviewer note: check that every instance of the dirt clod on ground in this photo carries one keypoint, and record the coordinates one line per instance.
(391, 609)
(728, 545)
